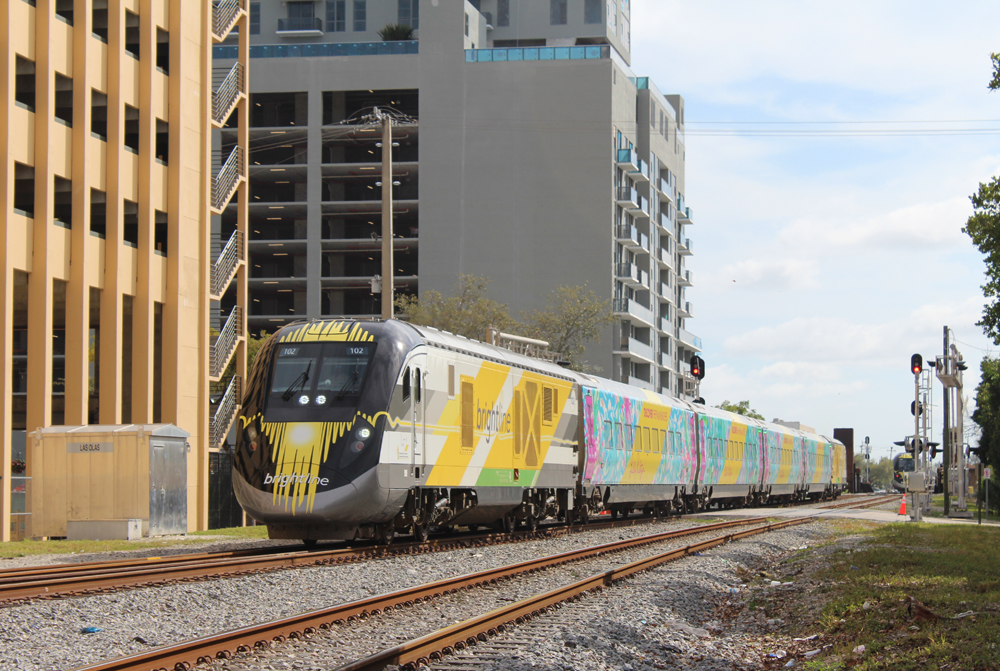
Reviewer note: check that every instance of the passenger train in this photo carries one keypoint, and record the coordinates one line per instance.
(362, 429)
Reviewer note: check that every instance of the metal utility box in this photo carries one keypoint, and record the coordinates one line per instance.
(122, 472)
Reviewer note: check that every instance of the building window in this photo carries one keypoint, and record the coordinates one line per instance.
(301, 16)
(336, 16)
(652, 113)
(160, 232)
(162, 141)
(62, 202)
(64, 10)
(64, 99)
(503, 13)
(409, 13)
(130, 223)
(613, 16)
(24, 83)
(557, 12)
(99, 21)
(466, 24)
(98, 212)
(131, 136)
(255, 18)
(132, 34)
(360, 16)
(24, 189)
(592, 11)
(163, 51)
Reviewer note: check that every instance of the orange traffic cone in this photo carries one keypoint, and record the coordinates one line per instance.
(902, 506)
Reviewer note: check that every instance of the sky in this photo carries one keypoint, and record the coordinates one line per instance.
(830, 249)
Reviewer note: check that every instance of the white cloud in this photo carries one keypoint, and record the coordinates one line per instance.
(769, 274)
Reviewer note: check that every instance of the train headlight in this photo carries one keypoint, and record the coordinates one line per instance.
(251, 432)
(364, 433)
(303, 400)
(321, 400)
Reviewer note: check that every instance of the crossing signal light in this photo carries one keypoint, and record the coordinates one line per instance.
(697, 367)
(916, 364)
(916, 409)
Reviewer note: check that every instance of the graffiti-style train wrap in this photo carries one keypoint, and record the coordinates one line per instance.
(361, 429)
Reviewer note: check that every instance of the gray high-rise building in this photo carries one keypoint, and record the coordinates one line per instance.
(535, 157)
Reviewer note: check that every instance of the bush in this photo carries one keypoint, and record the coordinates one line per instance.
(396, 32)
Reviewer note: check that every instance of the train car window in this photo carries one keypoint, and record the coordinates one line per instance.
(518, 423)
(406, 384)
(416, 379)
(646, 445)
(619, 436)
(468, 412)
(607, 432)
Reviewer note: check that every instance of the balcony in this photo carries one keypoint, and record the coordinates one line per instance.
(665, 258)
(627, 234)
(627, 273)
(627, 159)
(640, 209)
(633, 349)
(631, 309)
(300, 27)
(684, 310)
(666, 191)
(689, 339)
(641, 383)
(627, 197)
(665, 360)
(684, 246)
(685, 215)
(666, 326)
(666, 224)
(685, 279)
(643, 247)
(640, 176)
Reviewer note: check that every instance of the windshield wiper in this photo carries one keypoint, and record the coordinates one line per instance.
(343, 390)
(299, 382)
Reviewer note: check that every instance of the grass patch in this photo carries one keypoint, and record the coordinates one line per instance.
(950, 569)
(61, 547)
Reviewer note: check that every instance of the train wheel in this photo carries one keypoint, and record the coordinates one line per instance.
(473, 528)
(420, 532)
(583, 514)
(614, 513)
(384, 533)
(309, 542)
(531, 523)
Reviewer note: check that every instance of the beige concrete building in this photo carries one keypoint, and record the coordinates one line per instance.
(112, 279)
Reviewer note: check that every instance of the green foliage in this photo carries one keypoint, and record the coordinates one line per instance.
(575, 316)
(995, 82)
(396, 32)
(879, 472)
(984, 229)
(741, 408)
(987, 413)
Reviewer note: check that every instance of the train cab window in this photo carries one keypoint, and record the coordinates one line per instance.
(312, 375)
(416, 386)
(406, 384)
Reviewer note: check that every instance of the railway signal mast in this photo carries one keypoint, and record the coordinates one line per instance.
(949, 370)
(919, 444)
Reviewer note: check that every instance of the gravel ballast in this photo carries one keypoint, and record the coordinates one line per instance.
(48, 634)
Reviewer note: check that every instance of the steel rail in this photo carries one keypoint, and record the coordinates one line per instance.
(186, 653)
(863, 503)
(456, 637)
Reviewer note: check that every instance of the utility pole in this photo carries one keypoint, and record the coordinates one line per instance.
(946, 444)
(387, 260)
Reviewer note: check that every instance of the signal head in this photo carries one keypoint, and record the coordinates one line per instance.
(916, 364)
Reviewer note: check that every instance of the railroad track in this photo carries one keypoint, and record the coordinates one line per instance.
(49, 582)
(257, 637)
(864, 503)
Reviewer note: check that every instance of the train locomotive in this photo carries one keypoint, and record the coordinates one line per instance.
(364, 429)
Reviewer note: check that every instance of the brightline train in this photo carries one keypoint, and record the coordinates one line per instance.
(364, 429)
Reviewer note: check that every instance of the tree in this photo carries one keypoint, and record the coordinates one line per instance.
(984, 229)
(987, 413)
(469, 312)
(741, 408)
(574, 317)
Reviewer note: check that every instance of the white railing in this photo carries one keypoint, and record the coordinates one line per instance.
(538, 349)
(225, 266)
(225, 13)
(225, 412)
(227, 179)
(227, 93)
(225, 343)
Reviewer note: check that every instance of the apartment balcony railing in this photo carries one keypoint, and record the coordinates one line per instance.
(628, 197)
(665, 258)
(684, 309)
(310, 25)
(665, 223)
(685, 279)
(225, 344)
(666, 326)
(227, 92)
(638, 348)
(225, 412)
(685, 215)
(225, 14)
(227, 178)
(689, 339)
(666, 191)
(684, 246)
(629, 308)
(224, 268)
(627, 272)
(644, 242)
(641, 383)
(665, 360)
(627, 235)
(641, 174)
(627, 158)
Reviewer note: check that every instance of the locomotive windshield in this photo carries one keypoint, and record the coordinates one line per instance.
(312, 376)
(905, 464)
